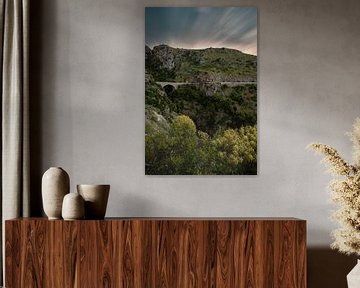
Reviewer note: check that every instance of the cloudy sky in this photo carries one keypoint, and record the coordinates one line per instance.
(202, 27)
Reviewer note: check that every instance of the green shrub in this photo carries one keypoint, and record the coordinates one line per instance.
(183, 150)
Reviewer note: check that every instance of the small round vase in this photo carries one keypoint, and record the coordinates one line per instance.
(96, 198)
(55, 185)
(73, 207)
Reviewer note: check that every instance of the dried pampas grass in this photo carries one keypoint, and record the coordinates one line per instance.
(345, 191)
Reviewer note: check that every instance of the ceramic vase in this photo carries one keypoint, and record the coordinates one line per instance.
(96, 198)
(55, 185)
(353, 278)
(73, 207)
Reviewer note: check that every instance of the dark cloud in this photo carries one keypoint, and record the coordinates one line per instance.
(201, 27)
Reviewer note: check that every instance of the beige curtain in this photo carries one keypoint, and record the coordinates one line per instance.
(14, 27)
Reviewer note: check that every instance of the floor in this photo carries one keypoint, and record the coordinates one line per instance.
(328, 268)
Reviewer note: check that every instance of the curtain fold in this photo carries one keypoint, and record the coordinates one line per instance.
(15, 162)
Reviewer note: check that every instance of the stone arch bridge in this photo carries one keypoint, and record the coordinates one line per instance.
(176, 85)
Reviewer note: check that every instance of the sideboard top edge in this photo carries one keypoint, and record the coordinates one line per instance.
(171, 219)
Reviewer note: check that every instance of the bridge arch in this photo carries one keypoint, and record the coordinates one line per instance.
(169, 89)
(174, 84)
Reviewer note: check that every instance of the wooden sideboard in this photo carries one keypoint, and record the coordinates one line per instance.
(156, 252)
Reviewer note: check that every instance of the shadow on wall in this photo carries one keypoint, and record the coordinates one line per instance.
(139, 207)
(43, 57)
(328, 268)
(35, 59)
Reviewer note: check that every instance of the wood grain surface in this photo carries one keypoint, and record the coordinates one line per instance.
(160, 252)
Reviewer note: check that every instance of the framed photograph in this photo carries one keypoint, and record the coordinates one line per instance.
(200, 91)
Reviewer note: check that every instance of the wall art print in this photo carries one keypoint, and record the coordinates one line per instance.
(200, 90)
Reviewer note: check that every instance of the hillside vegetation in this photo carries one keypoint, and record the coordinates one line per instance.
(205, 127)
(166, 63)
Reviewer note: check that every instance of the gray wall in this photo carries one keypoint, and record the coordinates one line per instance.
(88, 108)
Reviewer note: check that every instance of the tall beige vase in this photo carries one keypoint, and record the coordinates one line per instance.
(55, 185)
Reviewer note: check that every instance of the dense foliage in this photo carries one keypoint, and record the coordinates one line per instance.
(227, 107)
(183, 150)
